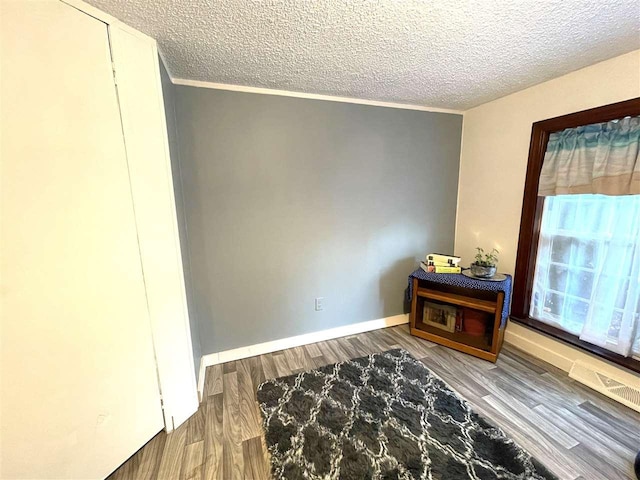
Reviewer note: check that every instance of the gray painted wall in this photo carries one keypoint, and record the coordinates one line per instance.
(170, 113)
(291, 199)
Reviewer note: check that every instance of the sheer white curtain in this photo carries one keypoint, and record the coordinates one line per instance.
(587, 278)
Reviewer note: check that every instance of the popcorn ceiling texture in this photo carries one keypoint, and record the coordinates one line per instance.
(443, 53)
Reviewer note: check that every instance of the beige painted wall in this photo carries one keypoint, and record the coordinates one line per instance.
(495, 147)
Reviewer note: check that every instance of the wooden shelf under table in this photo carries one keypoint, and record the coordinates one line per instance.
(466, 343)
(486, 347)
(456, 299)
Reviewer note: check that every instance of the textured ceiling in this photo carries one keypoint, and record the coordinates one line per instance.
(439, 53)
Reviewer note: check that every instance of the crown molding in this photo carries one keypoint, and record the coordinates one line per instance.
(309, 96)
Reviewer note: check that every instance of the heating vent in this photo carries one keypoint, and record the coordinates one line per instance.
(623, 390)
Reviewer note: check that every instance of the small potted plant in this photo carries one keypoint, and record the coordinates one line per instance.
(485, 264)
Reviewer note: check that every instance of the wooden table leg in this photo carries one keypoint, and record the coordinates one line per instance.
(414, 303)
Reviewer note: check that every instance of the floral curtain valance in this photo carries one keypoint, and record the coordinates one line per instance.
(600, 158)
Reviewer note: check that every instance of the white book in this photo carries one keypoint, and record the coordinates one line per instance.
(442, 258)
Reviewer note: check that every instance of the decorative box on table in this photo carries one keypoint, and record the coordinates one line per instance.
(460, 312)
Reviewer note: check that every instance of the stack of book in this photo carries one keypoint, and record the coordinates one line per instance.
(440, 263)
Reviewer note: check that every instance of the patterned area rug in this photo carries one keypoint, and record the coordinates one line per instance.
(384, 416)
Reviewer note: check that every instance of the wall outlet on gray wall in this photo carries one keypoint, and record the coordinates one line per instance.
(319, 304)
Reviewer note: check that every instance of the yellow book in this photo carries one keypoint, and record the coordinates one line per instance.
(433, 263)
(437, 269)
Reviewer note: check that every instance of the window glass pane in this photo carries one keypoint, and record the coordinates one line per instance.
(580, 283)
(614, 327)
(585, 253)
(587, 278)
(575, 314)
(567, 214)
(598, 211)
(621, 295)
(553, 303)
(558, 277)
(561, 249)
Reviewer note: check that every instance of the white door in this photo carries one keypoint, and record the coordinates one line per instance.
(79, 390)
(142, 111)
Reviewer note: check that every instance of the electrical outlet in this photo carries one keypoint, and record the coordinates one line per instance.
(319, 304)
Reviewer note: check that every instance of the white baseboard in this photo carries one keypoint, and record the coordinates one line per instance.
(290, 342)
(560, 354)
(516, 338)
(201, 375)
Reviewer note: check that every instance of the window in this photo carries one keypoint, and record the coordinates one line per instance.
(586, 275)
(576, 275)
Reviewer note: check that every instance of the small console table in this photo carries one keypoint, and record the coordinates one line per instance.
(454, 303)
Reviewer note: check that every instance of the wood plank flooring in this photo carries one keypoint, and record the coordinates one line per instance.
(575, 431)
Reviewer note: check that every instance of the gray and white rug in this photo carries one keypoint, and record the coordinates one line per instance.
(383, 416)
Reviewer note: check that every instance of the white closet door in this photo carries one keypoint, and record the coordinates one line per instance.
(142, 109)
(79, 391)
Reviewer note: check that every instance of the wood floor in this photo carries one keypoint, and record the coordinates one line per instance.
(573, 430)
